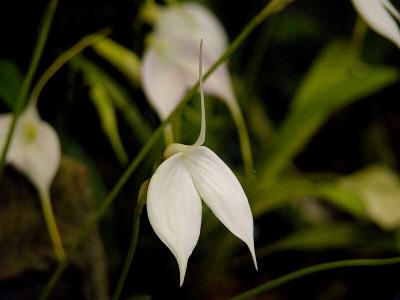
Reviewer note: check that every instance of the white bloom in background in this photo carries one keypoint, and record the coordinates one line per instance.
(379, 15)
(35, 152)
(35, 148)
(191, 173)
(169, 66)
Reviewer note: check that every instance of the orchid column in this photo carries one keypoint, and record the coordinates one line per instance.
(169, 66)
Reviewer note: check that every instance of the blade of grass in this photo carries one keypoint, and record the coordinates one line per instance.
(82, 44)
(27, 82)
(315, 269)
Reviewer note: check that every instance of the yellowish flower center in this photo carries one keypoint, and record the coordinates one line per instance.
(30, 132)
(175, 148)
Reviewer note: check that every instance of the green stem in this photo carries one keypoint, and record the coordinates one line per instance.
(245, 146)
(274, 6)
(63, 59)
(315, 269)
(26, 84)
(168, 134)
(52, 225)
(134, 238)
(359, 32)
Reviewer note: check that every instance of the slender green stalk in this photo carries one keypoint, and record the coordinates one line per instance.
(134, 238)
(52, 225)
(244, 139)
(26, 84)
(274, 6)
(315, 269)
(359, 32)
(85, 42)
(168, 134)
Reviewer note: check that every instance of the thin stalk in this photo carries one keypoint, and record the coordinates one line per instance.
(168, 134)
(357, 40)
(52, 225)
(26, 84)
(244, 139)
(134, 238)
(274, 6)
(63, 59)
(315, 269)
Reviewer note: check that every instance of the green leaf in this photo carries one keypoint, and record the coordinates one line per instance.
(120, 98)
(298, 187)
(10, 82)
(333, 82)
(289, 188)
(108, 119)
(345, 199)
(379, 189)
(125, 60)
(330, 236)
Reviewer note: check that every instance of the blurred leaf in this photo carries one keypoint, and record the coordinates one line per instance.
(379, 188)
(345, 199)
(332, 83)
(10, 82)
(338, 235)
(105, 109)
(119, 97)
(332, 236)
(297, 187)
(125, 60)
(289, 188)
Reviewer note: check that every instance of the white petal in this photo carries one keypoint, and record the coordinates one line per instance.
(191, 22)
(38, 156)
(375, 14)
(389, 6)
(222, 192)
(218, 84)
(174, 209)
(163, 83)
(170, 65)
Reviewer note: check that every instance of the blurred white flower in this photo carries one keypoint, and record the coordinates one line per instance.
(191, 173)
(35, 152)
(169, 66)
(35, 148)
(379, 15)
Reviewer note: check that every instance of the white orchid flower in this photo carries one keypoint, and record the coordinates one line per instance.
(191, 173)
(379, 15)
(35, 152)
(169, 66)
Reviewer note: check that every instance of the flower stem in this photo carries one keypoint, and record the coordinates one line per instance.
(359, 32)
(134, 238)
(245, 146)
(26, 84)
(168, 134)
(52, 225)
(82, 44)
(315, 269)
(269, 10)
